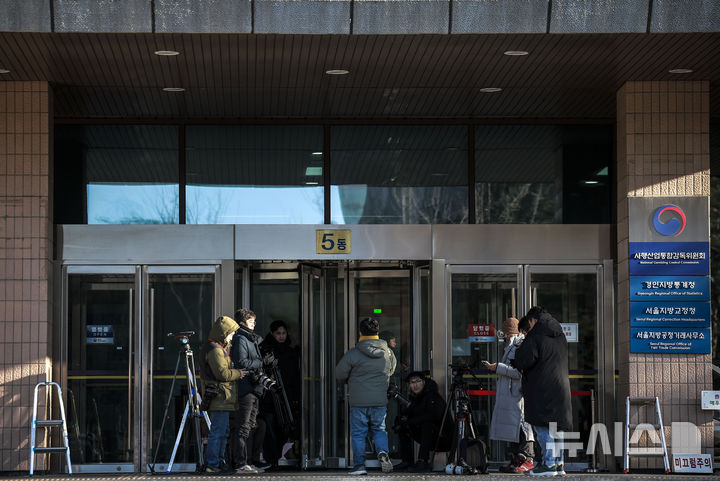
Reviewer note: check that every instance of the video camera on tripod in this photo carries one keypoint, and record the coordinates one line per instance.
(182, 336)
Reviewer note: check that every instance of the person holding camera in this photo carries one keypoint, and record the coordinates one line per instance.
(367, 368)
(246, 355)
(220, 395)
(420, 421)
(508, 419)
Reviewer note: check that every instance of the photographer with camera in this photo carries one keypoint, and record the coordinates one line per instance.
(220, 393)
(420, 421)
(246, 355)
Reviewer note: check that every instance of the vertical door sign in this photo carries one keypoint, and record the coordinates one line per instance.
(332, 241)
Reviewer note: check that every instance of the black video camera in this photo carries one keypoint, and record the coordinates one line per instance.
(393, 392)
(182, 336)
(257, 376)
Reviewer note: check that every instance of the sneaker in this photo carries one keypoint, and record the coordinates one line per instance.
(213, 471)
(260, 465)
(543, 470)
(420, 466)
(561, 469)
(358, 470)
(246, 469)
(385, 463)
(526, 466)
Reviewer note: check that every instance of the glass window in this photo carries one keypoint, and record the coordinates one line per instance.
(130, 171)
(395, 174)
(255, 174)
(543, 174)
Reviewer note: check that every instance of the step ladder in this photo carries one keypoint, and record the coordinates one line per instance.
(48, 423)
(644, 451)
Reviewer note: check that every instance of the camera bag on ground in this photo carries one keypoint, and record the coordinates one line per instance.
(475, 455)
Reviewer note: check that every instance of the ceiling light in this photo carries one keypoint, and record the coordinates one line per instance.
(2, 70)
(311, 183)
(680, 70)
(337, 72)
(316, 153)
(515, 53)
(591, 182)
(487, 90)
(166, 53)
(173, 89)
(313, 171)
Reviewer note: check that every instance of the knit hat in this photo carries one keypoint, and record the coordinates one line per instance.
(510, 327)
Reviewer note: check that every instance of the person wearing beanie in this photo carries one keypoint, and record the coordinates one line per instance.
(367, 368)
(508, 420)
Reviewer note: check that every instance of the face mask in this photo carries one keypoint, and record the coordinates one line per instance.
(500, 335)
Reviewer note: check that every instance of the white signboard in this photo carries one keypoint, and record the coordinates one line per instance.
(571, 331)
(710, 400)
(692, 463)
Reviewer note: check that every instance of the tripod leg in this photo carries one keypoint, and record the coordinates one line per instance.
(167, 406)
(194, 401)
(178, 437)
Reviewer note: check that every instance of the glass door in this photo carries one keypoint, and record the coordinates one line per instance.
(571, 294)
(99, 354)
(386, 296)
(313, 447)
(481, 298)
(177, 299)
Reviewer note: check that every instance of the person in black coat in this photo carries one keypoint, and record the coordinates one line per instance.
(420, 421)
(279, 345)
(543, 359)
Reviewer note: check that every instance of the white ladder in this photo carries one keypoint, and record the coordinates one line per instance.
(648, 451)
(48, 423)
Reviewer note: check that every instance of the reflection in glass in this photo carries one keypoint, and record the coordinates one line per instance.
(540, 174)
(131, 171)
(572, 298)
(254, 174)
(387, 299)
(99, 395)
(399, 175)
(181, 302)
(481, 299)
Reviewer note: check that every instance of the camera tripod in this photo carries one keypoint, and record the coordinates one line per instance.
(192, 405)
(465, 430)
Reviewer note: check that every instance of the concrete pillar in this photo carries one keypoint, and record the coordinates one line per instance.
(663, 145)
(26, 253)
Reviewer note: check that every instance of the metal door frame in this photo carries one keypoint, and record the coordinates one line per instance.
(136, 353)
(147, 348)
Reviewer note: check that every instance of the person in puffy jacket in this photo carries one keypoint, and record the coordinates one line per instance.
(218, 376)
(508, 420)
(543, 360)
(420, 421)
(367, 368)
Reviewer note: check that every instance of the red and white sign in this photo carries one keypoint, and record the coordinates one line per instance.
(692, 463)
(570, 329)
(481, 332)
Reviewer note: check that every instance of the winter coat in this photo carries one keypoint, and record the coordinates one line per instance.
(508, 417)
(543, 359)
(367, 368)
(428, 406)
(288, 358)
(245, 354)
(216, 368)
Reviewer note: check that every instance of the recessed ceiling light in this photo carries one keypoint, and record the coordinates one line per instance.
(313, 171)
(487, 90)
(166, 53)
(591, 182)
(2, 70)
(680, 70)
(316, 153)
(515, 53)
(337, 72)
(311, 183)
(173, 89)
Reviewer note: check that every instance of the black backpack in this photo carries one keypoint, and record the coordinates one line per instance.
(473, 456)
